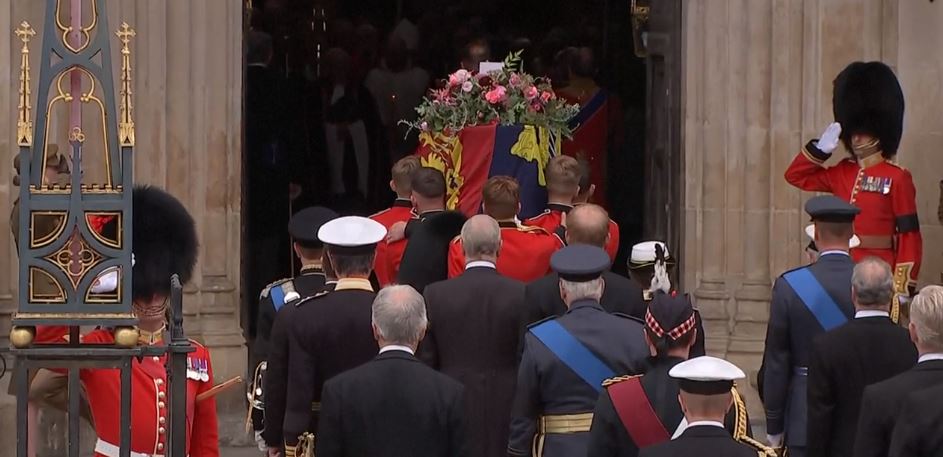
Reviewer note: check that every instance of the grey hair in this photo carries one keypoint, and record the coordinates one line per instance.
(347, 265)
(399, 314)
(583, 290)
(872, 283)
(481, 237)
(926, 313)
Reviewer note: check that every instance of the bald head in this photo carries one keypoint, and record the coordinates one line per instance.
(587, 224)
(872, 285)
(481, 238)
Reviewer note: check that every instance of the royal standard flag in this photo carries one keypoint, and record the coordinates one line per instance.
(474, 154)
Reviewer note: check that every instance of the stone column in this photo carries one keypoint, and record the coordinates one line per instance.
(187, 69)
(752, 297)
(706, 61)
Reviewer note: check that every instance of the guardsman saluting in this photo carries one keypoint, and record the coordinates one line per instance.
(868, 104)
(567, 358)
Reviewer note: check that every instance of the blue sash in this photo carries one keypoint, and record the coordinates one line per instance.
(815, 298)
(573, 354)
(278, 297)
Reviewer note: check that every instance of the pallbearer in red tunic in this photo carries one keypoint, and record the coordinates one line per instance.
(165, 243)
(525, 251)
(389, 254)
(568, 182)
(868, 105)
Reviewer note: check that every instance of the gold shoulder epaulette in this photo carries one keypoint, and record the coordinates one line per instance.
(267, 289)
(619, 379)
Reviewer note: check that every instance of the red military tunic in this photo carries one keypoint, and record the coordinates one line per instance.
(524, 256)
(884, 191)
(551, 218)
(149, 403)
(389, 255)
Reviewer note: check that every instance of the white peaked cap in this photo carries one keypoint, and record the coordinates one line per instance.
(351, 231)
(706, 369)
(644, 252)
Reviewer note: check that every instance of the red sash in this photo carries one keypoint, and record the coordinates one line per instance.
(637, 414)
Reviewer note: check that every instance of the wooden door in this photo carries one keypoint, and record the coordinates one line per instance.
(663, 161)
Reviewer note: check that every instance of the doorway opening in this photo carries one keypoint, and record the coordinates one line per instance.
(384, 54)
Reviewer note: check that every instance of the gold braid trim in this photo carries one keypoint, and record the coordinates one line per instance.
(618, 379)
(901, 288)
(741, 423)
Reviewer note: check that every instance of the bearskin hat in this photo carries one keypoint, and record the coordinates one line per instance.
(867, 99)
(164, 244)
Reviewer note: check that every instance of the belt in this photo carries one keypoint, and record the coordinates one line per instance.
(876, 242)
(800, 371)
(110, 450)
(565, 423)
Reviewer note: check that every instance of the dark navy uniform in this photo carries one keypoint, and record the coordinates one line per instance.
(703, 440)
(303, 228)
(792, 327)
(609, 438)
(670, 321)
(330, 332)
(275, 380)
(705, 377)
(553, 404)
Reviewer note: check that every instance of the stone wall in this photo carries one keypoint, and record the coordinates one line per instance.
(757, 85)
(187, 60)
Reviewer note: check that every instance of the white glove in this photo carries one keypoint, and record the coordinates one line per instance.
(828, 141)
(776, 440)
(260, 442)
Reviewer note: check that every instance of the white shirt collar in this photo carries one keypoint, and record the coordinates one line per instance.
(396, 347)
(930, 356)
(710, 423)
(479, 263)
(871, 313)
(834, 251)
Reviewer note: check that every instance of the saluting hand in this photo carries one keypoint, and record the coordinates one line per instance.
(828, 141)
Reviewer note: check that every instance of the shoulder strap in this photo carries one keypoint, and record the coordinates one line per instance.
(283, 293)
(815, 298)
(636, 413)
(573, 353)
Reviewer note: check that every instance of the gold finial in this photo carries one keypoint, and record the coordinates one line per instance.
(126, 122)
(24, 125)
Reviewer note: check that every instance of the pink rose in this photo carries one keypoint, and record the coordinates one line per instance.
(424, 126)
(496, 95)
(531, 93)
(515, 80)
(467, 86)
(536, 106)
(547, 96)
(459, 77)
